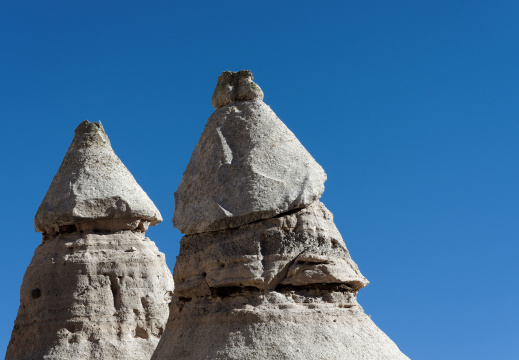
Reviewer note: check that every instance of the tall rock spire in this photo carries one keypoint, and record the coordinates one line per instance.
(97, 287)
(262, 273)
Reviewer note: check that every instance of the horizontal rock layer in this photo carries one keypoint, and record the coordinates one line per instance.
(247, 166)
(281, 288)
(297, 249)
(92, 296)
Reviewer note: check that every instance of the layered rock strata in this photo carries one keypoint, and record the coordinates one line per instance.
(97, 287)
(262, 273)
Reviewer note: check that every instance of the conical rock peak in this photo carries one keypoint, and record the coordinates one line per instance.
(93, 185)
(262, 272)
(247, 166)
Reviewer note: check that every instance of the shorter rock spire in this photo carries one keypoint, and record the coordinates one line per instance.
(94, 190)
(97, 287)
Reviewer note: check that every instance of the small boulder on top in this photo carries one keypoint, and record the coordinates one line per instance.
(235, 86)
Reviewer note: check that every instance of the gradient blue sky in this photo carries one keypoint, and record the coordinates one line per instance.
(411, 107)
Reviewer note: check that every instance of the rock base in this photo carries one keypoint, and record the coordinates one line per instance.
(272, 326)
(92, 296)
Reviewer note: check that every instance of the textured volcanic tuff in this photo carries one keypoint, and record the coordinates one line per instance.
(93, 184)
(247, 166)
(96, 288)
(262, 273)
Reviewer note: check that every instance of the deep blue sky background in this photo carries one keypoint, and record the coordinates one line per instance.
(411, 107)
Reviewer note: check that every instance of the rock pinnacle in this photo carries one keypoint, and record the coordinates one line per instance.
(97, 287)
(262, 272)
(93, 188)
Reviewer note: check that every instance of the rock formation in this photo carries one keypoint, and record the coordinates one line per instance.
(96, 288)
(262, 273)
(247, 165)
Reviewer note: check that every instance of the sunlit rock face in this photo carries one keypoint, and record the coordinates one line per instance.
(247, 166)
(92, 184)
(262, 273)
(97, 287)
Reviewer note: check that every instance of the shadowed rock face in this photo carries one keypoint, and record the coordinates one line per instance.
(97, 287)
(262, 273)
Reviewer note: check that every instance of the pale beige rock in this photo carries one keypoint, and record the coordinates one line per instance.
(272, 326)
(90, 296)
(303, 248)
(281, 288)
(96, 288)
(263, 272)
(247, 166)
(93, 184)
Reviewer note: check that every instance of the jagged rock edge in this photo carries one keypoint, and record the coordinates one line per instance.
(226, 291)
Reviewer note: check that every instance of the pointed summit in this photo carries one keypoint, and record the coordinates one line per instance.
(247, 165)
(93, 189)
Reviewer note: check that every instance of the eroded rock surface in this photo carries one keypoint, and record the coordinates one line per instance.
(235, 86)
(262, 273)
(93, 184)
(247, 166)
(299, 249)
(272, 326)
(97, 287)
(92, 296)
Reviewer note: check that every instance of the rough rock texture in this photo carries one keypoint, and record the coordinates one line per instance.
(282, 288)
(235, 86)
(96, 288)
(278, 285)
(272, 326)
(299, 249)
(92, 296)
(246, 151)
(92, 183)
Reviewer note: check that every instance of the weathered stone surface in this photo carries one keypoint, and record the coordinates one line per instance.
(96, 288)
(303, 248)
(92, 184)
(263, 273)
(246, 166)
(92, 296)
(280, 288)
(273, 326)
(235, 86)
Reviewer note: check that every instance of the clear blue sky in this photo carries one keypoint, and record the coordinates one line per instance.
(411, 107)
